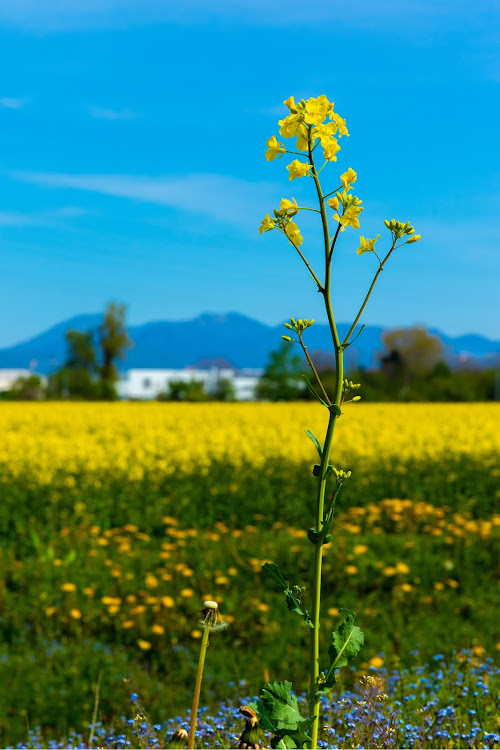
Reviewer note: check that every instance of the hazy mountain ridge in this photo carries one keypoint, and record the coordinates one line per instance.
(240, 340)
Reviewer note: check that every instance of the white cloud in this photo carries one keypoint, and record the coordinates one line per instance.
(220, 197)
(40, 218)
(10, 103)
(104, 113)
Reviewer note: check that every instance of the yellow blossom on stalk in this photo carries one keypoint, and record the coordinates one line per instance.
(413, 238)
(330, 150)
(317, 108)
(68, 587)
(298, 169)
(289, 126)
(290, 103)
(267, 224)
(376, 662)
(333, 203)
(367, 245)
(302, 138)
(144, 645)
(340, 123)
(349, 217)
(293, 233)
(348, 178)
(324, 132)
(75, 614)
(288, 207)
(274, 148)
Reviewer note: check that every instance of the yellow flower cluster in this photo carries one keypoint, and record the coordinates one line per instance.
(67, 444)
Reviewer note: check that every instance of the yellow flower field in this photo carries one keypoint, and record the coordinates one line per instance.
(50, 441)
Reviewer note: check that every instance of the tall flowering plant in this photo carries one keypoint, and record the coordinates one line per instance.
(317, 129)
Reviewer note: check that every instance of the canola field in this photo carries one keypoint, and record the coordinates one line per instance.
(118, 520)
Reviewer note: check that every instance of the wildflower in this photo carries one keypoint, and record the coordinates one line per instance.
(298, 169)
(333, 611)
(293, 233)
(274, 148)
(402, 567)
(158, 629)
(251, 734)
(376, 662)
(413, 238)
(330, 150)
(317, 108)
(351, 570)
(389, 570)
(290, 124)
(367, 245)
(144, 645)
(75, 614)
(349, 217)
(196, 633)
(340, 124)
(348, 178)
(334, 203)
(288, 207)
(267, 224)
(360, 549)
(186, 593)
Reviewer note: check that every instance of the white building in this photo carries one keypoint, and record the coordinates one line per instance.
(9, 376)
(143, 384)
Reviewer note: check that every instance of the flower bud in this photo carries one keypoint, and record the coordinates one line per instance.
(413, 238)
(356, 398)
(287, 325)
(178, 740)
(251, 734)
(286, 338)
(387, 223)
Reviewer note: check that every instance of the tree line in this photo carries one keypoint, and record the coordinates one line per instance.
(411, 367)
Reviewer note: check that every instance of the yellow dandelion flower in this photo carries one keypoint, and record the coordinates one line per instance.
(158, 629)
(389, 570)
(143, 645)
(187, 593)
(351, 570)
(196, 633)
(222, 580)
(333, 611)
(360, 549)
(68, 587)
(127, 624)
(75, 614)
(376, 662)
(167, 602)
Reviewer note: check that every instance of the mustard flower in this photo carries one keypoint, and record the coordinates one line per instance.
(340, 123)
(290, 103)
(288, 207)
(274, 148)
(298, 169)
(348, 178)
(367, 245)
(330, 150)
(333, 203)
(413, 238)
(317, 109)
(349, 217)
(267, 224)
(293, 233)
(290, 124)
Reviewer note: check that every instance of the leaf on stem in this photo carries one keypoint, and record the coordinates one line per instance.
(278, 713)
(314, 393)
(316, 442)
(292, 602)
(346, 643)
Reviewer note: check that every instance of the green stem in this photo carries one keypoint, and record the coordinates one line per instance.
(314, 705)
(370, 290)
(311, 365)
(197, 687)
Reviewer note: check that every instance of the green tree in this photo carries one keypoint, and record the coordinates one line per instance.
(113, 341)
(77, 377)
(182, 390)
(25, 388)
(282, 378)
(224, 390)
(411, 351)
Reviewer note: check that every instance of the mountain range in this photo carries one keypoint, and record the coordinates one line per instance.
(224, 338)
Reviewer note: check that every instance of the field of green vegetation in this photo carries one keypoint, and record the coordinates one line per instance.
(117, 521)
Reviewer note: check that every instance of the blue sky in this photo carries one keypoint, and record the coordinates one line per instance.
(132, 158)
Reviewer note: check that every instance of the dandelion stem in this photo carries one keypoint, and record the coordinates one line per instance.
(197, 687)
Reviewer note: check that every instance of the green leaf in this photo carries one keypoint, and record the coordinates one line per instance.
(292, 602)
(278, 713)
(346, 643)
(316, 442)
(317, 470)
(311, 388)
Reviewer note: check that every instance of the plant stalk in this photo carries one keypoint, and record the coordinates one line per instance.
(197, 687)
(314, 705)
